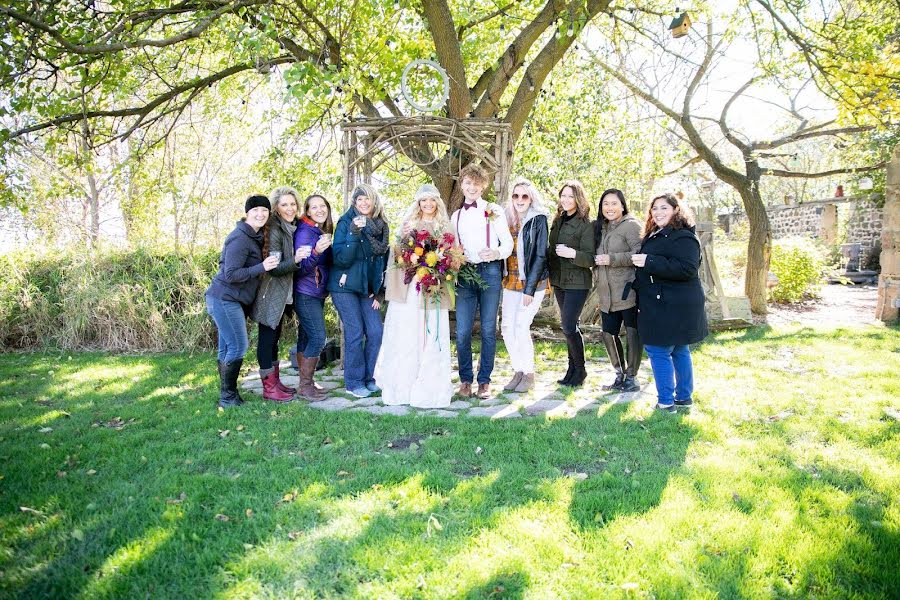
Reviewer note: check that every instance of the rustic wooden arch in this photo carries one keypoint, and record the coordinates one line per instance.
(368, 143)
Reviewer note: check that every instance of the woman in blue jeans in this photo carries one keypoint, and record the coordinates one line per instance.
(310, 290)
(233, 290)
(671, 311)
(356, 284)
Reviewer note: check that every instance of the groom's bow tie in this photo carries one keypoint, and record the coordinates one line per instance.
(468, 205)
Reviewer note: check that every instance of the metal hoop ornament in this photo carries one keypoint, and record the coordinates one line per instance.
(442, 74)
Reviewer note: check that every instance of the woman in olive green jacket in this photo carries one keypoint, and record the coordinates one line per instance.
(571, 256)
(617, 235)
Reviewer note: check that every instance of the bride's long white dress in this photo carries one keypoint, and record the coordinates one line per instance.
(414, 363)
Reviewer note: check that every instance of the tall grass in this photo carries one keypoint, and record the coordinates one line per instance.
(138, 299)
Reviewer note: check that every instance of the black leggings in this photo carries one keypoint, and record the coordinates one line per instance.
(571, 302)
(267, 344)
(612, 321)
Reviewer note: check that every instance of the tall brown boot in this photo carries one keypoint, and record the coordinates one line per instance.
(307, 387)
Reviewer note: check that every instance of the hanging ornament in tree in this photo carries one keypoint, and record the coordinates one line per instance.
(425, 85)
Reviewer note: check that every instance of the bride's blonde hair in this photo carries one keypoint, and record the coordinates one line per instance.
(414, 215)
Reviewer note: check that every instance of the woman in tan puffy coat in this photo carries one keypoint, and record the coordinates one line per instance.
(617, 235)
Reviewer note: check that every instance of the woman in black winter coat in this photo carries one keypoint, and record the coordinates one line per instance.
(671, 311)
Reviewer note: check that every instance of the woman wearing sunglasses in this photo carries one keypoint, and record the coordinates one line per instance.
(525, 280)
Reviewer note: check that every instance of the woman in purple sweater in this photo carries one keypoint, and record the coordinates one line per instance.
(315, 230)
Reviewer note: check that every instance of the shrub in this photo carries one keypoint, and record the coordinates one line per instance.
(799, 266)
(119, 300)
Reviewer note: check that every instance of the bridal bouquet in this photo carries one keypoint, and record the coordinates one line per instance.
(432, 261)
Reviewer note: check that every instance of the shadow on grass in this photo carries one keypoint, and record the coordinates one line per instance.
(320, 504)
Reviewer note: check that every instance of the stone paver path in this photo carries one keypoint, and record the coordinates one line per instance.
(548, 399)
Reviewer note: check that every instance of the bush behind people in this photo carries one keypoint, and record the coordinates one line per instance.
(139, 299)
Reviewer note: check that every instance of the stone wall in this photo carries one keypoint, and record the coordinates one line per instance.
(796, 220)
(864, 228)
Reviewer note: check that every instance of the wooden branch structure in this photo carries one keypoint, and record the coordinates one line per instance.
(369, 143)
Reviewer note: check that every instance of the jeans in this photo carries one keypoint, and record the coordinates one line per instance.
(516, 328)
(310, 324)
(487, 302)
(267, 345)
(232, 326)
(362, 337)
(672, 371)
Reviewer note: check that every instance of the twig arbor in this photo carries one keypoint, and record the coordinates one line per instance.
(369, 143)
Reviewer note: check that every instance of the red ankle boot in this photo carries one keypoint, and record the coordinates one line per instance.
(271, 391)
(284, 388)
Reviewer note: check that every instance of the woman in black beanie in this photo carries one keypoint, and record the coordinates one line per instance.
(232, 291)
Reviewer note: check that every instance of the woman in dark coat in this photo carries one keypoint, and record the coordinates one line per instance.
(356, 284)
(617, 235)
(671, 311)
(273, 302)
(571, 256)
(232, 291)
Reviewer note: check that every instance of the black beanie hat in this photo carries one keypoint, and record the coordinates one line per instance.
(257, 200)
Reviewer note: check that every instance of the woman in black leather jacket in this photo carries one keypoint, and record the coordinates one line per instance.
(525, 279)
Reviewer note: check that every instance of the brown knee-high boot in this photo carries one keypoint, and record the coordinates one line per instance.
(308, 388)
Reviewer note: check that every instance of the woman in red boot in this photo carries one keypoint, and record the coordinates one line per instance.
(273, 302)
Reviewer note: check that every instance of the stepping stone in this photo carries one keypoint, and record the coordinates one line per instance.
(540, 407)
(437, 412)
(397, 411)
(459, 404)
(501, 411)
(332, 404)
(330, 385)
(370, 401)
(494, 401)
(337, 372)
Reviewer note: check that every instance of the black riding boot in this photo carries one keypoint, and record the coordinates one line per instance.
(228, 395)
(568, 375)
(616, 358)
(635, 350)
(579, 373)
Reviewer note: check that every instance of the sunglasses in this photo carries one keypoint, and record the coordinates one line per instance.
(523, 196)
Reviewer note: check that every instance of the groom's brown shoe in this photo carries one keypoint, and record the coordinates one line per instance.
(465, 390)
(484, 391)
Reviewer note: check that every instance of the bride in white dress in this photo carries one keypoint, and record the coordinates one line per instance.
(414, 362)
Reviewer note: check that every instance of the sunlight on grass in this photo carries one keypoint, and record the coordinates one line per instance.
(781, 481)
(126, 558)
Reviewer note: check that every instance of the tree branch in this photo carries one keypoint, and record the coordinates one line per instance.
(446, 45)
(797, 175)
(143, 111)
(493, 82)
(191, 33)
(810, 133)
(686, 163)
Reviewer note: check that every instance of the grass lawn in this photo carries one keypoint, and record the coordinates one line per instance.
(119, 479)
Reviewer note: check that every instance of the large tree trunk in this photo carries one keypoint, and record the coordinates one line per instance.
(759, 247)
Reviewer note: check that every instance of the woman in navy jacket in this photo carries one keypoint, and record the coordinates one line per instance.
(671, 311)
(233, 290)
(356, 283)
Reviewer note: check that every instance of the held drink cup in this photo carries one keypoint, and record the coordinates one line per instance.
(276, 254)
